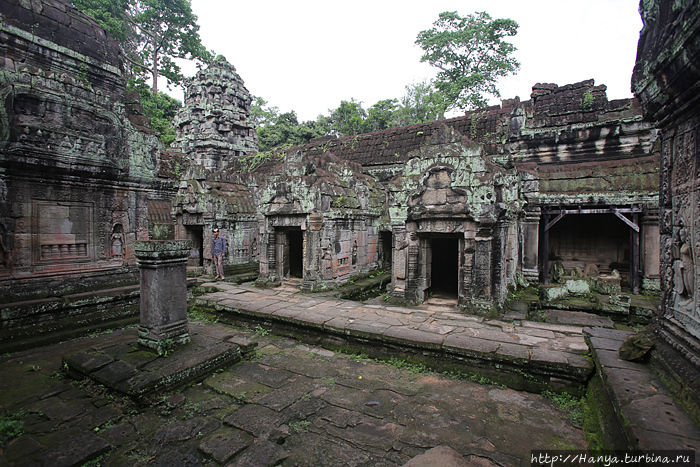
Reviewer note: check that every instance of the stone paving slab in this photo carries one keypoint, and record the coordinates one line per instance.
(137, 372)
(442, 456)
(293, 405)
(544, 349)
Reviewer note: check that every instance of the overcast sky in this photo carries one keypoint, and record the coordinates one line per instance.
(309, 55)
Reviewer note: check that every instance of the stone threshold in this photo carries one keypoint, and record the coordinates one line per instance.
(641, 414)
(496, 354)
(120, 364)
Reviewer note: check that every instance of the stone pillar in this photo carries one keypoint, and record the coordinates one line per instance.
(650, 252)
(482, 274)
(163, 269)
(531, 245)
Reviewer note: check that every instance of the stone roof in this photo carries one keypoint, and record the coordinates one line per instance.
(574, 114)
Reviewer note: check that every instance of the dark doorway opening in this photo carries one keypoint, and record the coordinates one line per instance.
(195, 233)
(599, 241)
(295, 239)
(444, 265)
(387, 249)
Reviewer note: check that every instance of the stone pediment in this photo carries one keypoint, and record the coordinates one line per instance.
(437, 197)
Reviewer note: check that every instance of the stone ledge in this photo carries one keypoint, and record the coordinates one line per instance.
(642, 406)
(480, 355)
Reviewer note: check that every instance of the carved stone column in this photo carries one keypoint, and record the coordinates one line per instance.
(163, 270)
(531, 244)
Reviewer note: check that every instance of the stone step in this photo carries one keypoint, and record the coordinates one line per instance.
(578, 318)
(523, 355)
(139, 372)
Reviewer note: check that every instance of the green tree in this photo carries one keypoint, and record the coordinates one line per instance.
(348, 119)
(422, 103)
(261, 113)
(286, 130)
(471, 54)
(168, 29)
(152, 34)
(381, 115)
(161, 109)
(111, 14)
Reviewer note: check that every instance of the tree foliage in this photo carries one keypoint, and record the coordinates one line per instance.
(285, 130)
(381, 115)
(471, 54)
(161, 109)
(152, 34)
(348, 119)
(423, 102)
(260, 113)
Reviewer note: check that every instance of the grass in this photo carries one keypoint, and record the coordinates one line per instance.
(300, 427)
(10, 426)
(571, 405)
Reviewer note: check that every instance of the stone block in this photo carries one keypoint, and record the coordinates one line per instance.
(553, 292)
(115, 373)
(442, 456)
(262, 454)
(255, 419)
(578, 286)
(608, 284)
(76, 451)
(225, 444)
(87, 362)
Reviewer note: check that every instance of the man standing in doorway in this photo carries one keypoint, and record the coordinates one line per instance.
(218, 250)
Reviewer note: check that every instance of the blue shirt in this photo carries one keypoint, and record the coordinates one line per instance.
(219, 247)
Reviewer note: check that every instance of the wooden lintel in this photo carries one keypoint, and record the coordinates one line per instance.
(594, 211)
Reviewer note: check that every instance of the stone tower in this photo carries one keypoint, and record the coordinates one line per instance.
(213, 126)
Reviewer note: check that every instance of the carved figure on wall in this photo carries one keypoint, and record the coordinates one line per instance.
(117, 240)
(254, 248)
(354, 252)
(4, 253)
(326, 255)
(684, 274)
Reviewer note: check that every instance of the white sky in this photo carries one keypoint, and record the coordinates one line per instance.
(309, 55)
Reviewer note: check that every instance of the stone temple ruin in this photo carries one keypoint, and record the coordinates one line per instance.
(474, 204)
(567, 190)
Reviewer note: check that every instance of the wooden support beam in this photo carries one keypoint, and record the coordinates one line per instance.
(556, 219)
(544, 251)
(633, 225)
(634, 257)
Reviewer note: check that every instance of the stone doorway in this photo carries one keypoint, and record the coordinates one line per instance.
(444, 266)
(195, 234)
(294, 253)
(593, 243)
(387, 243)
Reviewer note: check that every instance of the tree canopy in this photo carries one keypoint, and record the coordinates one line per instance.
(471, 54)
(152, 34)
(161, 109)
(421, 103)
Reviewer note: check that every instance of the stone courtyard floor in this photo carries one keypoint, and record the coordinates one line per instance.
(286, 404)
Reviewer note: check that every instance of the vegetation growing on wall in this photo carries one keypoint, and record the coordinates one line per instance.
(161, 109)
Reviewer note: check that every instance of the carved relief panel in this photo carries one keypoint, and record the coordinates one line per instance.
(62, 232)
(680, 226)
